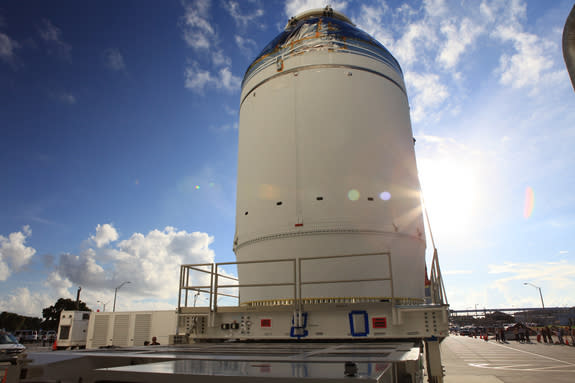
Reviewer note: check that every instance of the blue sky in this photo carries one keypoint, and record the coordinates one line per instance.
(118, 142)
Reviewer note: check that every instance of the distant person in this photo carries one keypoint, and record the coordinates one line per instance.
(560, 335)
(522, 335)
(544, 334)
(573, 336)
(503, 336)
(497, 337)
(538, 335)
(516, 333)
(154, 341)
(549, 335)
(146, 343)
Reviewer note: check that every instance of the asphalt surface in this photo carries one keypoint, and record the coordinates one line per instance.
(470, 360)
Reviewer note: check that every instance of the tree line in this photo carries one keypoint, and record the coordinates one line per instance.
(50, 317)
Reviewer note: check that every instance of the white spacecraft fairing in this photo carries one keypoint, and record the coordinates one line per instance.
(326, 168)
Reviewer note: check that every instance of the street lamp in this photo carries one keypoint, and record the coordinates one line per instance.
(116, 293)
(538, 288)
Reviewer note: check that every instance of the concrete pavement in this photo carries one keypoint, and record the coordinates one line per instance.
(471, 360)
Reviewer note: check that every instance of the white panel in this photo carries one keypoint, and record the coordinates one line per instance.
(121, 330)
(100, 332)
(142, 328)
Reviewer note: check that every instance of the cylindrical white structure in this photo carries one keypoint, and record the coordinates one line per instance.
(327, 167)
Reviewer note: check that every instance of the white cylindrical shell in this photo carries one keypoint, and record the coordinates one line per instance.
(326, 168)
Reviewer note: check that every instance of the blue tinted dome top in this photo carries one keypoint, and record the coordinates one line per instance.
(321, 30)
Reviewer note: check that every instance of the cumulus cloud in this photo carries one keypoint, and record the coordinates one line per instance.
(150, 261)
(293, 7)
(7, 48)
(105, 234)
(242, 17)
(114, 60)
(52, 37)
(22, 301)
(198, 79)
(14, 254)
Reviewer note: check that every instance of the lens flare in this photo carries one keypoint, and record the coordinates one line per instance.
(385, 196)
(529, 202)
(197, 187)
(353, 195)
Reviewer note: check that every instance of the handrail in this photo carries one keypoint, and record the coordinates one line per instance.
(438, 294)
(213, 289)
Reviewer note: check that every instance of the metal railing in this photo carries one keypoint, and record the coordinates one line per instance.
(215, 287)
(438, 295)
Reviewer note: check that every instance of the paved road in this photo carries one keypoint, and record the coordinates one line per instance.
(472, 360)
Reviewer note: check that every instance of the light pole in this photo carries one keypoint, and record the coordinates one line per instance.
(116, 293)
(538, 288)
(103, 305)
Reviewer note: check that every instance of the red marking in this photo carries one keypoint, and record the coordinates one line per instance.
(266, 323)
(298, 224)
(379, 322)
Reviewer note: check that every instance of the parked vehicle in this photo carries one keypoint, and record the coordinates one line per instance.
(26, 336)
(10, 348)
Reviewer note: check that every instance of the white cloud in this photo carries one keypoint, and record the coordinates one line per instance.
(114, 60)
(200, 35)
(408, 47)
(293, 7)
(554, 278)
(105, 234)
(219, 59)
(247, 46)
(225, 127)
(149, 261)
(458, 39)
(198, 31)
(427, 93)
(242, 18)
(436, 8)
(52, 37)
(531, 60)
(198, 79)
(14, 254)
(24, 302)
(7, 47)
(65, 97)
(60, 286)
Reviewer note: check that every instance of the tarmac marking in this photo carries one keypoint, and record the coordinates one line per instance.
(533, 353)
(514, 368)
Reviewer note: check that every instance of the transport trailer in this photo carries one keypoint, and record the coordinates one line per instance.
(237, 362)
(335, 339)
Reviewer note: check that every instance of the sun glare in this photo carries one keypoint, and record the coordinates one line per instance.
(450, 194)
